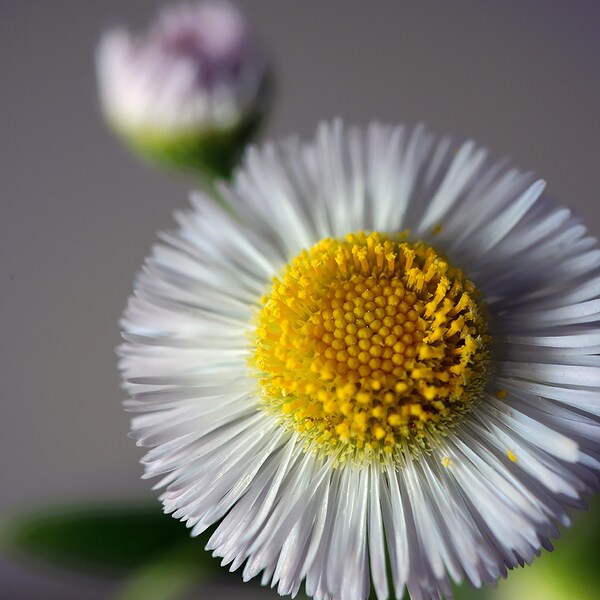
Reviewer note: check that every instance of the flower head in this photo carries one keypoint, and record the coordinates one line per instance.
(389, 357)
(191, 90)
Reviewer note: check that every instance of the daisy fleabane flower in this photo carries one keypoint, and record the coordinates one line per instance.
(191, 90)
(377, 372)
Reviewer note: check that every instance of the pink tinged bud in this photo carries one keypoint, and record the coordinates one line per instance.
(191, 91)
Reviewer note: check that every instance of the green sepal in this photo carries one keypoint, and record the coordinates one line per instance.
(211, 152)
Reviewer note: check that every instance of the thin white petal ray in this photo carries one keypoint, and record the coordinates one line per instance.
(376, 537)
(465, 165)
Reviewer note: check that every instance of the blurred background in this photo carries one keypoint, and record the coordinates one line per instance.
(78, 212)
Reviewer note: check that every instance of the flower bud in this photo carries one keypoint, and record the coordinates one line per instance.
(191, 91)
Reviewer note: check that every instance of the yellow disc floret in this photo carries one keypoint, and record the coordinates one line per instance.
(370, 345)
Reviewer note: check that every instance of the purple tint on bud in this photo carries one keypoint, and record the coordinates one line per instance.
(198, 67)
(214, 37)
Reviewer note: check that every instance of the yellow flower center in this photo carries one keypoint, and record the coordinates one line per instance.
(370, 345)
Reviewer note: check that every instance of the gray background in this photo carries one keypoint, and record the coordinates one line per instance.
(78, 213)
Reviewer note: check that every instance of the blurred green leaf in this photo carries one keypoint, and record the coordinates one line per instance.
(113, 538)
(161, 561)
(168, 577)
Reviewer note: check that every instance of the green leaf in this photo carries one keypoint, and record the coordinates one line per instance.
(115, 538)
(161, 561)
(168, 577)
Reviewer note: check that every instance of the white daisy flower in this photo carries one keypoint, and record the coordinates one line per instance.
(196, 78)
(382, 371)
